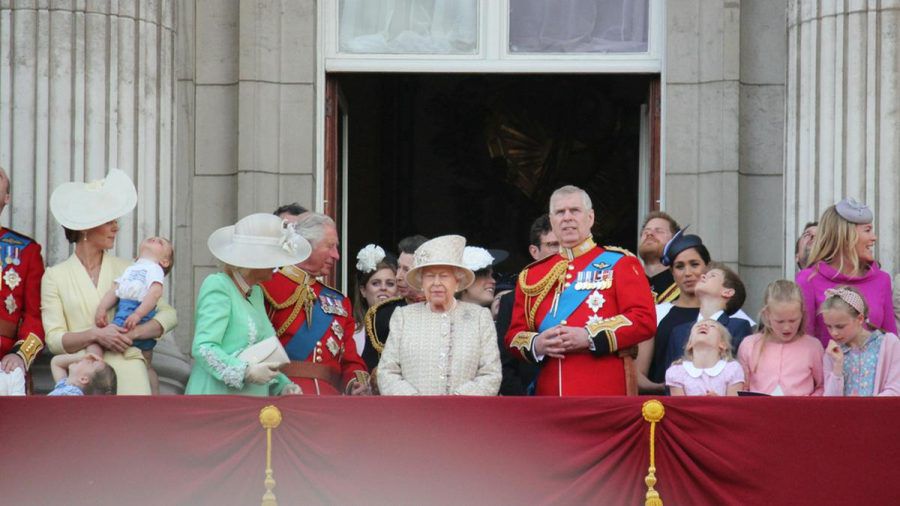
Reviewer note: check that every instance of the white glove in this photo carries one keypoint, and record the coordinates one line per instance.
(291, 389)
(261, 373)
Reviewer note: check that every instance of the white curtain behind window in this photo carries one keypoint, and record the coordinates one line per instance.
(578, 26)
(408, 26)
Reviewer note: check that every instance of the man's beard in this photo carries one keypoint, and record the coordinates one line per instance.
(650, 251)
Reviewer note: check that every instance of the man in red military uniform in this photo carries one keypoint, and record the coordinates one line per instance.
(578, 310)
(21, 330)
(315, 322)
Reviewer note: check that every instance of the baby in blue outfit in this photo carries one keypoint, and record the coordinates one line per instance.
(137, 292)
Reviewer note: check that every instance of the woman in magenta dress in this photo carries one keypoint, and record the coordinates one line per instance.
(844, 254)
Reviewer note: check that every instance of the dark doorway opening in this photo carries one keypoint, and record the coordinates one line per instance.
(479, 155)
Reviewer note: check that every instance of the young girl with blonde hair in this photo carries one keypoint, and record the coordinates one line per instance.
(843, 253)
(781, 359)
(860, 360)
(708, 367)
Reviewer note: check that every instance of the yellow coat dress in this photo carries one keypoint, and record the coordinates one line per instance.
(68, 302)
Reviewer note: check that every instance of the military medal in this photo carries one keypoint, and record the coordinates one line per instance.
(12, 278)
(331, 306)
(595, 301)
(606, 280)
(337, 329)
(332, 345)
(11, 304)
(9, 258)
(16, 260)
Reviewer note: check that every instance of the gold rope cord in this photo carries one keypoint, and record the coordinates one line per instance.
(536, 293)
(653, 412)
(302, 298)
(269, 418)
(370, 324)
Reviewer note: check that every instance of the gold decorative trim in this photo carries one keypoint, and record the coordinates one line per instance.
(611, 339)
(303, 298)
(269, 418)
(295, 274)
(537, 292)
(617, 249)
(582, 248)
(669, 294)
(29, 349)
(609, 326)
(370, 324)
(522, 342)
(653, 411)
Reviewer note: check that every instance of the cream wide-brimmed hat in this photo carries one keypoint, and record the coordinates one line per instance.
(83, 206)
(259, 241)
(445, 251)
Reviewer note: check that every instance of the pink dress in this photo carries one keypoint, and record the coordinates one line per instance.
(777, 368)
(696, 381)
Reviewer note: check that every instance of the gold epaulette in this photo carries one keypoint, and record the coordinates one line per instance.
(296, 300)
(370, 324)
(333, 289)
(619, 250)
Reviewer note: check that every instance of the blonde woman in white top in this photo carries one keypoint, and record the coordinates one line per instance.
(442, 346)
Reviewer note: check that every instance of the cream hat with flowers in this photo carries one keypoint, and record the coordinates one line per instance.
(445, 251)
(259, 241)
(83, 206)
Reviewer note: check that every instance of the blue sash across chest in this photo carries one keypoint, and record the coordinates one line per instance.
(570, 298)
(304, 340)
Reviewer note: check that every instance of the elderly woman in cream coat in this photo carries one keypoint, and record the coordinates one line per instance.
(72, 289)
(442, 346)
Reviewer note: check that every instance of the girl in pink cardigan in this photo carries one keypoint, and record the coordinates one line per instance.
(781, 359)
(858, 361)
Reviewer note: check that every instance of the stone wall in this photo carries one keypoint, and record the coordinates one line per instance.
(84, 86)
(843, 128)
(723, 138)
(245, 122)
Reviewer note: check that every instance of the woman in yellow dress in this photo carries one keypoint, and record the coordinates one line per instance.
(72, 289)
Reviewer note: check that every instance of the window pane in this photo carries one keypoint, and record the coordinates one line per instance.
(409, 26)
(578, 26)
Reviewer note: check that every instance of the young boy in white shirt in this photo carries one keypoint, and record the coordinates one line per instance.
(137, 292)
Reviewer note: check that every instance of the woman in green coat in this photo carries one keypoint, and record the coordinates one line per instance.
(230, 314)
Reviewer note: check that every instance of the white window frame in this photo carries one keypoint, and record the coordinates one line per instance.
(492, 54)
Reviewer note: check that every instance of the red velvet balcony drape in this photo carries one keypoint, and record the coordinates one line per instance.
(211, 450)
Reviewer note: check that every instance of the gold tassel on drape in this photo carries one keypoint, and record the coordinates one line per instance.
(270, 418)
(653, 412)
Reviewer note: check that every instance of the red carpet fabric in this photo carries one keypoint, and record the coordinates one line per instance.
(516, 451)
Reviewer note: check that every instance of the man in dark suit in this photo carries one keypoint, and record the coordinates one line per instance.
(518, 375)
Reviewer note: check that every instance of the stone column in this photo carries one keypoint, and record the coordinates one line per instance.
(84, 86)
(843, 115)
(87, 85)
(246, 122)
(724, 119)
